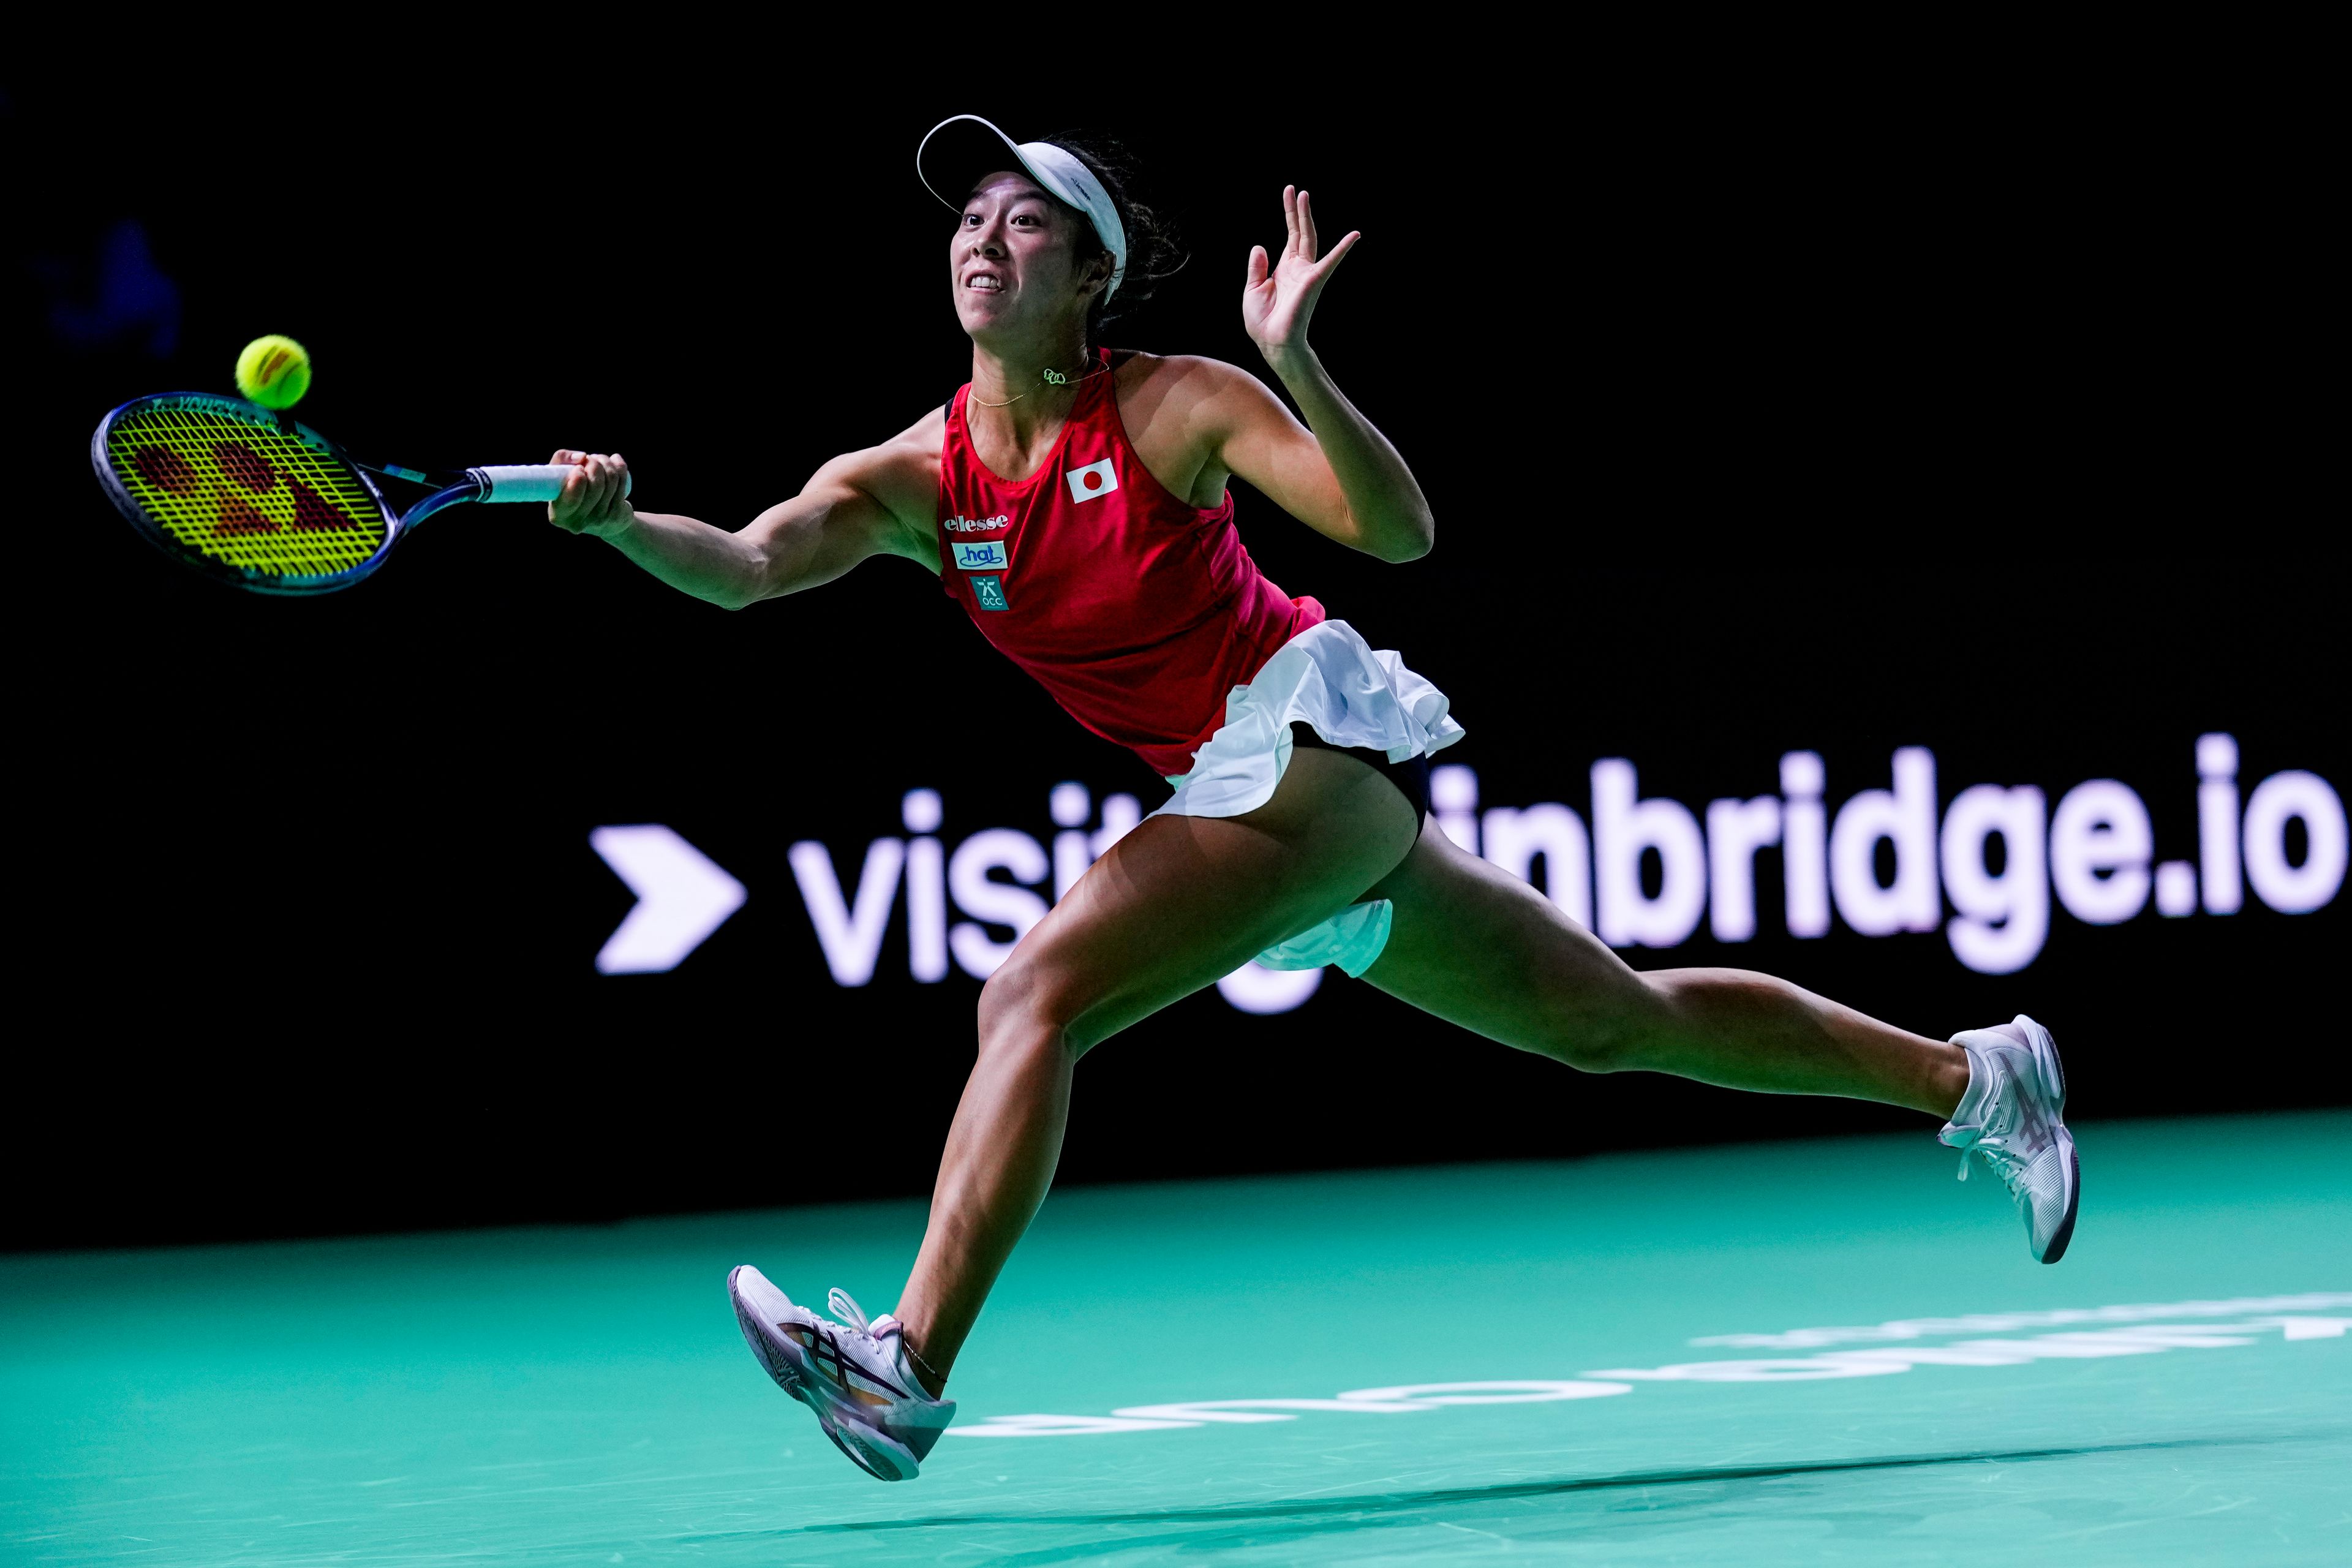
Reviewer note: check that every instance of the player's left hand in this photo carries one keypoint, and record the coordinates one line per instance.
(1278, 297)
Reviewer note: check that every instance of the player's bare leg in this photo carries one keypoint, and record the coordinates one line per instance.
(1478, 947)
(1175, 905)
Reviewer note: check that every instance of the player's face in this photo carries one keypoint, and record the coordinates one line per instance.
(1011, 261)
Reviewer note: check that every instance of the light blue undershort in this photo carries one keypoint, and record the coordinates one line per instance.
(1353, 696)
(1352, 939)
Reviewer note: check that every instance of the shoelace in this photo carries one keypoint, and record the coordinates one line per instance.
(845, 1307)
(1999, 1159)
(2001, 1162)
(842, 1306)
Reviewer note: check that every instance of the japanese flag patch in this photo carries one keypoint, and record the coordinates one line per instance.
(1093, 480)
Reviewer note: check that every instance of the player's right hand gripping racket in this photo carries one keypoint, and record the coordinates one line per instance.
(253, 498)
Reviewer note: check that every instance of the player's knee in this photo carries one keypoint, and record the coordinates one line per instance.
(1598, 1038)
(1639, 1025)
(1020, 1009)
(1591, 1045)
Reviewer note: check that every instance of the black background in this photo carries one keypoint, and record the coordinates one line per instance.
(1972, 413)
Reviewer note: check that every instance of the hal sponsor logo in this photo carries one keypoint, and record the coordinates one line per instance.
(988, 555)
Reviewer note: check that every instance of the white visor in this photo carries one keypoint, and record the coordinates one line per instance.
(956, 153)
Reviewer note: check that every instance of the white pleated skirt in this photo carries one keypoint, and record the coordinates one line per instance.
(1351, 695)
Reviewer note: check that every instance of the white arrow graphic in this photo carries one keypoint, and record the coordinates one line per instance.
(682, 898)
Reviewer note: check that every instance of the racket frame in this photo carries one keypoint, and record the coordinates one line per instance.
(453, 491)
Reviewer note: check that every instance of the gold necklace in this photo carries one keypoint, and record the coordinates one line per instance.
(1052, 378)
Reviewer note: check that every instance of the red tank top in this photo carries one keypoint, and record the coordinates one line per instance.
(1137, 611)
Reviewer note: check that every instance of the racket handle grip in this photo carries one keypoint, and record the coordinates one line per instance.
(526, 481)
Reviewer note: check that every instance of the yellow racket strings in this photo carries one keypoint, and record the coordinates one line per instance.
(249, 496)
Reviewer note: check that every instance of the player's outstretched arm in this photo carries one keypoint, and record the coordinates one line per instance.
(1339, 475)
(839, 518)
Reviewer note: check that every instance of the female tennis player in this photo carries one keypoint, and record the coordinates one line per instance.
(1073, 500)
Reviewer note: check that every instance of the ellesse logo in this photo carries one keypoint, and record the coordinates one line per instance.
(1093, 480)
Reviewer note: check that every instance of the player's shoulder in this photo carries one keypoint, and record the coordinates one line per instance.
(1196, 374)
(912, 454)
(926, 437)
(1191, 389)
(900, 474)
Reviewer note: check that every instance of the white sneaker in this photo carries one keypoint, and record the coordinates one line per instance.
(857, 1376)
(2012, 1117)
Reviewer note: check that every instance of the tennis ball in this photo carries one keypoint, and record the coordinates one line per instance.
(274, 372)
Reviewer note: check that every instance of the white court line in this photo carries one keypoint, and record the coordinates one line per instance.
(2293, 1318)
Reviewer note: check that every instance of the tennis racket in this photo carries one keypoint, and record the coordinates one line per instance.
(252, 498)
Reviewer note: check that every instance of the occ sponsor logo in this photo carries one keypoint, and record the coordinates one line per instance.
(988, 555)
(976, 524)
(1093, 480)
(988, 593)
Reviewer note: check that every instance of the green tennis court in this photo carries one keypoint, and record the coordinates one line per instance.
(1818, 1352)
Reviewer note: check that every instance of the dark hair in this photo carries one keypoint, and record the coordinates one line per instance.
(1154, 253)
